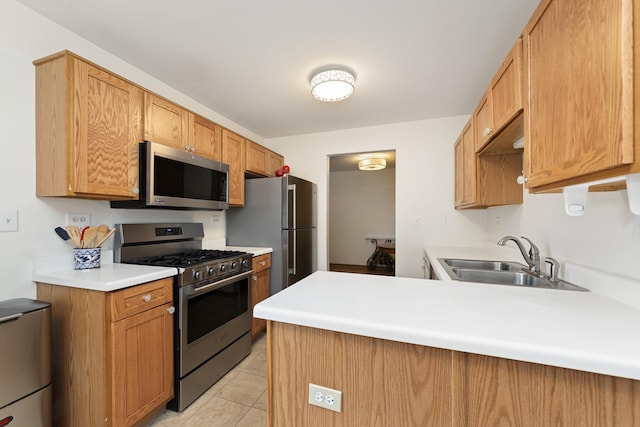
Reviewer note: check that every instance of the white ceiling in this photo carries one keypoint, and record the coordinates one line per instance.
(251, 60)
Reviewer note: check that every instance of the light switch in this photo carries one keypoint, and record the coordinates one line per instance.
(8, 220)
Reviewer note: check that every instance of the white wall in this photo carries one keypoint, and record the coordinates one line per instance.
(24, 37)
(361, 204)
(602, 238)
(424, 183)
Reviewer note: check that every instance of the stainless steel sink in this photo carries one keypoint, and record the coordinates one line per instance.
(501, 273)
(477, 264)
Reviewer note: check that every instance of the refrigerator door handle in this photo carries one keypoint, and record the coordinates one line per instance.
(292, 188)
(294, 253)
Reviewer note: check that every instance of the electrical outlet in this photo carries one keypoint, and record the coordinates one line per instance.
(79, 219)
(9, 220)
(325, 397)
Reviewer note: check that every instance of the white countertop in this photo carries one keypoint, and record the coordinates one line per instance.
(577, 330)
(251, 250)
(220, 244)
(59, 270)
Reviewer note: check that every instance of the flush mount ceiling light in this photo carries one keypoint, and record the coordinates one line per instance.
(332, 85)
(372, 164)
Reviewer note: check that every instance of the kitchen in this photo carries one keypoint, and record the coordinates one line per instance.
(603, 238)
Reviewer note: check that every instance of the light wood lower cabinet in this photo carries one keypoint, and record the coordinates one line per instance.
(112, 353)
(388, 383)
(260, 289)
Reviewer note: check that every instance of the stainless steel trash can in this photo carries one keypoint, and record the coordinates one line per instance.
(25, 363)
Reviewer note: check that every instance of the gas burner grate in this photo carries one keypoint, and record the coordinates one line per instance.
(186, 258)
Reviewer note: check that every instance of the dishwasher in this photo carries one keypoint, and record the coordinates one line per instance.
(25, 363)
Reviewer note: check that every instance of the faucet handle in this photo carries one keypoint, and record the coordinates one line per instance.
(555, 268)
(533, 250)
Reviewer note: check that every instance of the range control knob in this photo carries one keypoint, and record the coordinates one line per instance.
(245, 263)
(223, 267)
(234, 265)
(211, 271)
(197, 275)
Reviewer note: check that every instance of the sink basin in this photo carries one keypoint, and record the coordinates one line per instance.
(501, 273)
(477, 264)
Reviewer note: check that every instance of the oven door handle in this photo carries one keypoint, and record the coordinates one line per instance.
(221, 283)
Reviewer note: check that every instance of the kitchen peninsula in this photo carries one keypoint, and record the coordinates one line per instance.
(434, 353)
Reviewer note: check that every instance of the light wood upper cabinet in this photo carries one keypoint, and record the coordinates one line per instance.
(166, 123)
(485, 180)
(112, 352)
(459, 170)
(579, 117)
(502, 100)
(256, 161)
(261, 161)
(274, 162)
(233, 153)
(469, 166)
(207, 138)
(483, 118)
(88, 125)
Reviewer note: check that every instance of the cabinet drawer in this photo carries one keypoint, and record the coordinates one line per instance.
(261, 262)
(136, 299)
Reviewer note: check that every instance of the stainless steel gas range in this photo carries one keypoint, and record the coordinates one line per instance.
(212, 295)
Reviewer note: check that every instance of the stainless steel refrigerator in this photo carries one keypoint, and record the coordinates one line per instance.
(279, 213)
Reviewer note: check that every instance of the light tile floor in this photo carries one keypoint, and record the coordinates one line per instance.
(239, 399)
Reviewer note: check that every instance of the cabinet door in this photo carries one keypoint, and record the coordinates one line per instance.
(459, 172)
(106, 115)
(233, 153)
(256, 158)
(579, 70)
(274, 162)
(259, 292)
(506, 88)
(142, 371)
(483, 117)
(469, 180)
(207, 138)
(166, 123)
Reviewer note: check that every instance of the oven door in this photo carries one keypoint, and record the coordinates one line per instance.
(212, 316)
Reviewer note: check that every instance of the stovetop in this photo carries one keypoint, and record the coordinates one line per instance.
(178, 245)
(187, 258)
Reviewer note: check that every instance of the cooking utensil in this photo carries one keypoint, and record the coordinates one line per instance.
(106, 236)
(89, 237)
(74, 235)
(62, 233)
(102, 231)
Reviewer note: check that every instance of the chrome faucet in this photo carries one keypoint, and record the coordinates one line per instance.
(532, 258)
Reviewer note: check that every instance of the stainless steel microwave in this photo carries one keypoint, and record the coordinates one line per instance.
(174, 179)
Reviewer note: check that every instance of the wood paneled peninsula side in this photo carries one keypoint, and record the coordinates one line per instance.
(408, 352)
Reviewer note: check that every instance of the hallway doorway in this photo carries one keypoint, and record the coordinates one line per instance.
(361, 214)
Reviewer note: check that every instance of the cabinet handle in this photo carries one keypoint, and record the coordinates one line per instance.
(255, 278)
(146, 298)
(171, 310)
(263, 263)
(487, 131)
(135, 190)
(522, 179)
